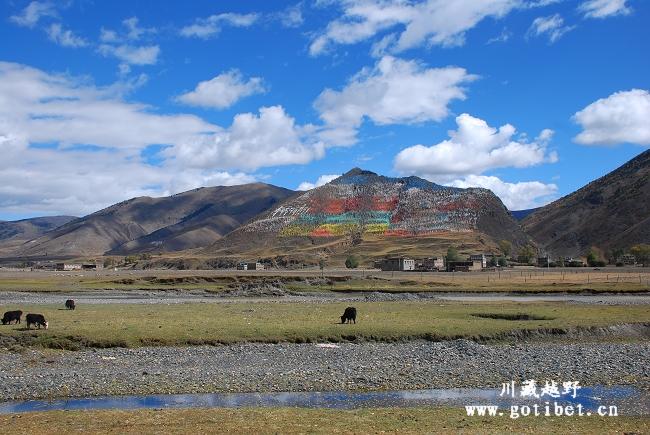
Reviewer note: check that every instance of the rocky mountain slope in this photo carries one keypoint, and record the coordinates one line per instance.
(610, 212)
(362, 209)
(187, 220)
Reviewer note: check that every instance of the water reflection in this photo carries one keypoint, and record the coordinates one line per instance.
(589, 397)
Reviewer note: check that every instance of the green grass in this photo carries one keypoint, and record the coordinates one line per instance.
(131, 325)
(297, 420)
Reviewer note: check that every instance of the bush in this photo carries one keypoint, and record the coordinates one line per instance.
(619, 264)
(351, 262)
(503, 262)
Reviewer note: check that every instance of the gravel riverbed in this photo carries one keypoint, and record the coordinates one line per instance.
(311, 367)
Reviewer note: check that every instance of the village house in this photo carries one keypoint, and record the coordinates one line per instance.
(250, 266)
(464, 266)
(396, 264)
(430, 264)
(479, 257)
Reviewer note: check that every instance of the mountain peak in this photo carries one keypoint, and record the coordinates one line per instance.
(354, 172)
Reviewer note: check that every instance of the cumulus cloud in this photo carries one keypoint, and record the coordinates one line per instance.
(54, 181)
(252, 141)
(429, 22)
(205, 28)
(123, 46)
(472, 149)
(33, 12)
(516, 196)
(322, 180)
(604, 8)
(623, 117)
(223, 90)
(132, 55)
(393, 91)
(71, 147)
(552, 27)
(65, 38)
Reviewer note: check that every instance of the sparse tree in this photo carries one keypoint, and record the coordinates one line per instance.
(641, 253)
(505, 247)
(452, 254)
(527, 253)
(321, 266)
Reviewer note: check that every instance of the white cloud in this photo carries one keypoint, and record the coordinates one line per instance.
(31, 15)
(223, 90)
(504, 36)
(516, 196)
(429, 22)
(292, 16)
(51, 181)
(472, 149)
(393, 91)
(604, 8)
(621, 117)
(132, 55)
(122, 45)
(134, 31)
(552, 26)
(71, 147)
(131, 32)
(208, 27)
(322, 180)
(252, 141)
(47, 108)
(66, 38)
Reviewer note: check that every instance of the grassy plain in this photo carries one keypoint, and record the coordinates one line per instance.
(297, 420)
(510, 280)
(130, 325)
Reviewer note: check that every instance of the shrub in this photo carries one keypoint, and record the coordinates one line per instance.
(351, 262)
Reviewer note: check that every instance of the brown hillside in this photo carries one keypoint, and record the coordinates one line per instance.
(610, 212)
(187, 220)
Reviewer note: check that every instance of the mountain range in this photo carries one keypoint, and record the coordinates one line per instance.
(359, 212)
(178, 222)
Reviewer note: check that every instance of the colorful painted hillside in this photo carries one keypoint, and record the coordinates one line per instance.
(361, 206)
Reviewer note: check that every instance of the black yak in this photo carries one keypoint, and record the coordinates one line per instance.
(350, 315)
(36, 320)
(11, 316)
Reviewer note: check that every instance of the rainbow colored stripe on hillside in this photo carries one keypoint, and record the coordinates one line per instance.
(378, 205)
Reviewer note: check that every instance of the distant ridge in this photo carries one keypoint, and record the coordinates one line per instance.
(15, 233)
(183, 221)
(521, 214)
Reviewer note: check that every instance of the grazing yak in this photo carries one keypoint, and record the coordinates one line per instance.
(11, 316)
(349, 315)
(69, 304)
(36, 320)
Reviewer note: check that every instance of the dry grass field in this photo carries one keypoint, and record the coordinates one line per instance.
(316, 421)
(534, 280)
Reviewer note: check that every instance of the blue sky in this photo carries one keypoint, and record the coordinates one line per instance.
(103, 101)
